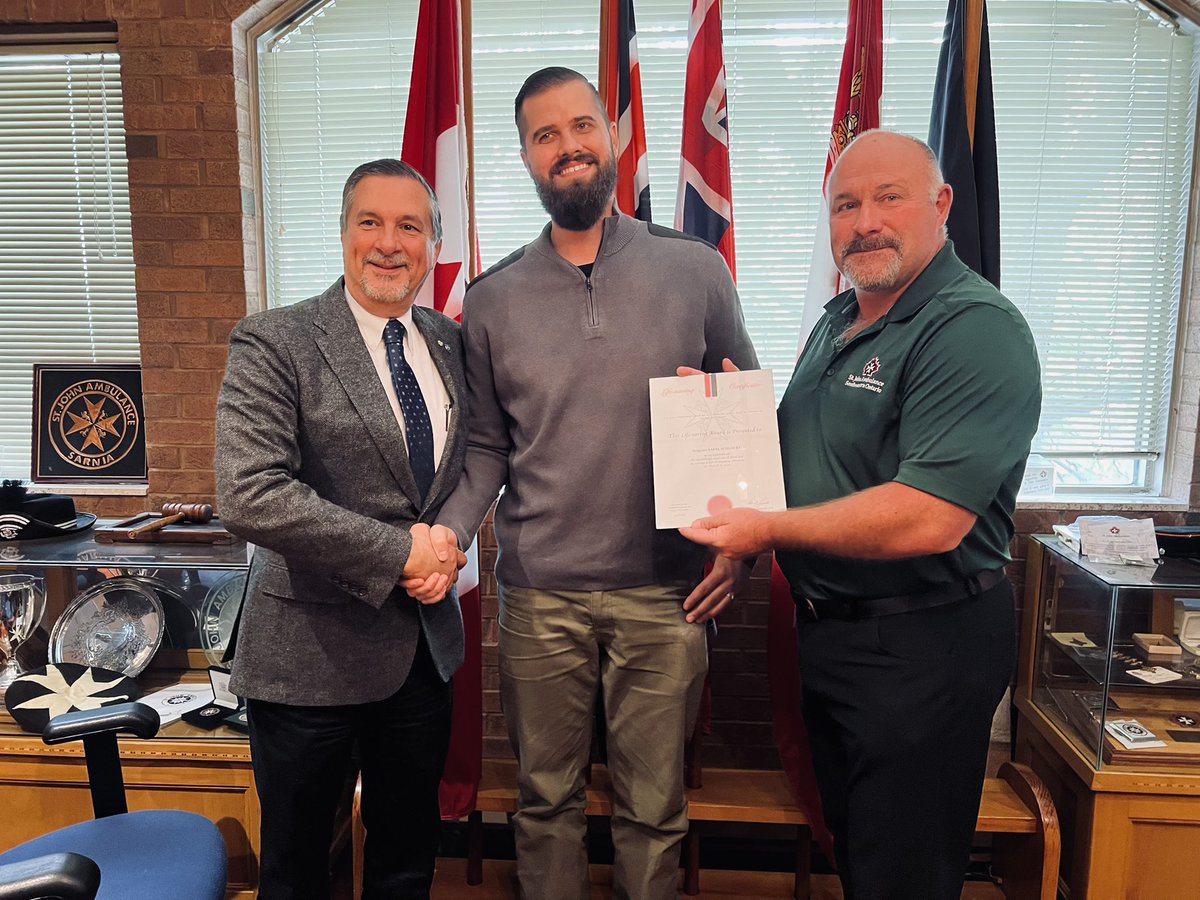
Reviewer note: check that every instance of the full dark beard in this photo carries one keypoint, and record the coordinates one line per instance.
(580, 205)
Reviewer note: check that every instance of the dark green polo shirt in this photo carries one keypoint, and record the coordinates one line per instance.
(941, 394)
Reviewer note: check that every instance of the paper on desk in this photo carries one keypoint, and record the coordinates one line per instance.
(1106, 539)
(172, 702)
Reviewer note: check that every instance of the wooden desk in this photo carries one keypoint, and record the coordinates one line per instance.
(43, 788)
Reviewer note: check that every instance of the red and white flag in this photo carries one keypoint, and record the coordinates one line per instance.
(622, 92)
(705, 204)
(435, 144)
(855, 110)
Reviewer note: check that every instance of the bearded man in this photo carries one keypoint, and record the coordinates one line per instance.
(560, 339)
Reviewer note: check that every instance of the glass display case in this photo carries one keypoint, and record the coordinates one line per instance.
(162, 613)
(1116, 658)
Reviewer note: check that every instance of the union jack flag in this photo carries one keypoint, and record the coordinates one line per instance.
(622, 91)
(705, 204)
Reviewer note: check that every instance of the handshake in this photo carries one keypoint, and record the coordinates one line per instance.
(433, 563)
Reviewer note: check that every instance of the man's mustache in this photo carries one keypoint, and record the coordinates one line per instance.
(867, 244)
(577, 158)
(396, 259)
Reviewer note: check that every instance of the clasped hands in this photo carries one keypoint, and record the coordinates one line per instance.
(433, 563)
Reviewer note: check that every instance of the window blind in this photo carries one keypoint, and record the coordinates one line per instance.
(1096, 114)
(333, 88)
(66, 255)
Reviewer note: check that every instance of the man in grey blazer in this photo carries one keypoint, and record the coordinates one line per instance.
(339, 436)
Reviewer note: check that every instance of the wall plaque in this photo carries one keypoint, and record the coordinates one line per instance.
(88, 423)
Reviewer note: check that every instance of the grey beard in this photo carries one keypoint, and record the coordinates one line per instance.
(580, 206)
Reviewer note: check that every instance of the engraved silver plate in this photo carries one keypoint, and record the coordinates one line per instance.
(117, 625)
(218, 613)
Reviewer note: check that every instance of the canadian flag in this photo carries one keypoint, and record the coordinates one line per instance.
(435, 144)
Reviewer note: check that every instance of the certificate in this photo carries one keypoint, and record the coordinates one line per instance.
(715, 442)
(172, 702)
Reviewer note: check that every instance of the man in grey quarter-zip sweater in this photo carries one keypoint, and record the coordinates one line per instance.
(560, 339)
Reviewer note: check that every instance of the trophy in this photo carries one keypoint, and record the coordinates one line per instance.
(22, 602)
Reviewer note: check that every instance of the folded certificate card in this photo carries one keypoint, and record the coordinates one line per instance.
(172, 702)
(715, 440)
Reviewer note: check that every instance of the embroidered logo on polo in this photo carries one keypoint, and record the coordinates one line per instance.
(867, 380)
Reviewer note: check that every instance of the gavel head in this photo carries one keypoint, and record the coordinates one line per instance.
(191, 512)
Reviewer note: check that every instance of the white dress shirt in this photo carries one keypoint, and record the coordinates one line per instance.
(416, 351)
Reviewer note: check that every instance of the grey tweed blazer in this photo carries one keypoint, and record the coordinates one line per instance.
(312, 468)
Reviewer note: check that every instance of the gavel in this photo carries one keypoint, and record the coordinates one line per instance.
(172, 513)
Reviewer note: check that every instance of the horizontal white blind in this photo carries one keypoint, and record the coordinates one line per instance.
(512, 40)
(66, 255)
(1095, 123)
(1096, 113)
(333, 89)
(1095, 119)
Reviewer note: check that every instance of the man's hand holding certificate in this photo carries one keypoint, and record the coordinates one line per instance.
(715, 441)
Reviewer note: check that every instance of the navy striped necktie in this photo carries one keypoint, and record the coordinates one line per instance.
(418, 431)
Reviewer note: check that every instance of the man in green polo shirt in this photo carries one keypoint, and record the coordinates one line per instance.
(904, 431)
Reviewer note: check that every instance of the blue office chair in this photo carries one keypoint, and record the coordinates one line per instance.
(119, 855)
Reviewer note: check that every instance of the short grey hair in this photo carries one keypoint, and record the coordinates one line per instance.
(392, 168)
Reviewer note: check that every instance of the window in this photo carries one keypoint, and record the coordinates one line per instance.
(333, 91)
(1096, 115)
(66, 255)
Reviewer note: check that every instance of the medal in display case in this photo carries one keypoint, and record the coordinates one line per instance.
(161, 613)
(1108, 707)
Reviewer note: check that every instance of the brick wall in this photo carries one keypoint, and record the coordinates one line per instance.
(187, 118)
(189, 214)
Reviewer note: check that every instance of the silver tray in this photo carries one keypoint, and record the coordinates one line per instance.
(117, 625)
(218, 613)
(181, 618)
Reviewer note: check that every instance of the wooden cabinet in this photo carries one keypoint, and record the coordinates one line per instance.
(43, 788)
(1130, 819)
(208, 772)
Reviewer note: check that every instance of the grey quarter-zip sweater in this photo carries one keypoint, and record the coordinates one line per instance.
(557, 390)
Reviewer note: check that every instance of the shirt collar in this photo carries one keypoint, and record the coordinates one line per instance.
(372, 325)
(942, 268)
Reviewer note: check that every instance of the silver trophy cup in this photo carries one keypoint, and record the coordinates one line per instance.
(22, 603)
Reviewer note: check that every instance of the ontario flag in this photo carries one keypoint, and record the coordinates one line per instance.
(622, 91)
(705, 204)
(435, 144)
(855, 110)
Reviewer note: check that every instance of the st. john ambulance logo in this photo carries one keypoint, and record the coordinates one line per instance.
(93, 424)
(867, 380)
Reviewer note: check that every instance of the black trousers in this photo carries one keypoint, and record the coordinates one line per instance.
(899, 711)
(301, 755)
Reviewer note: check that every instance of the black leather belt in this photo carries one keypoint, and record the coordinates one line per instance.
(870, 607)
